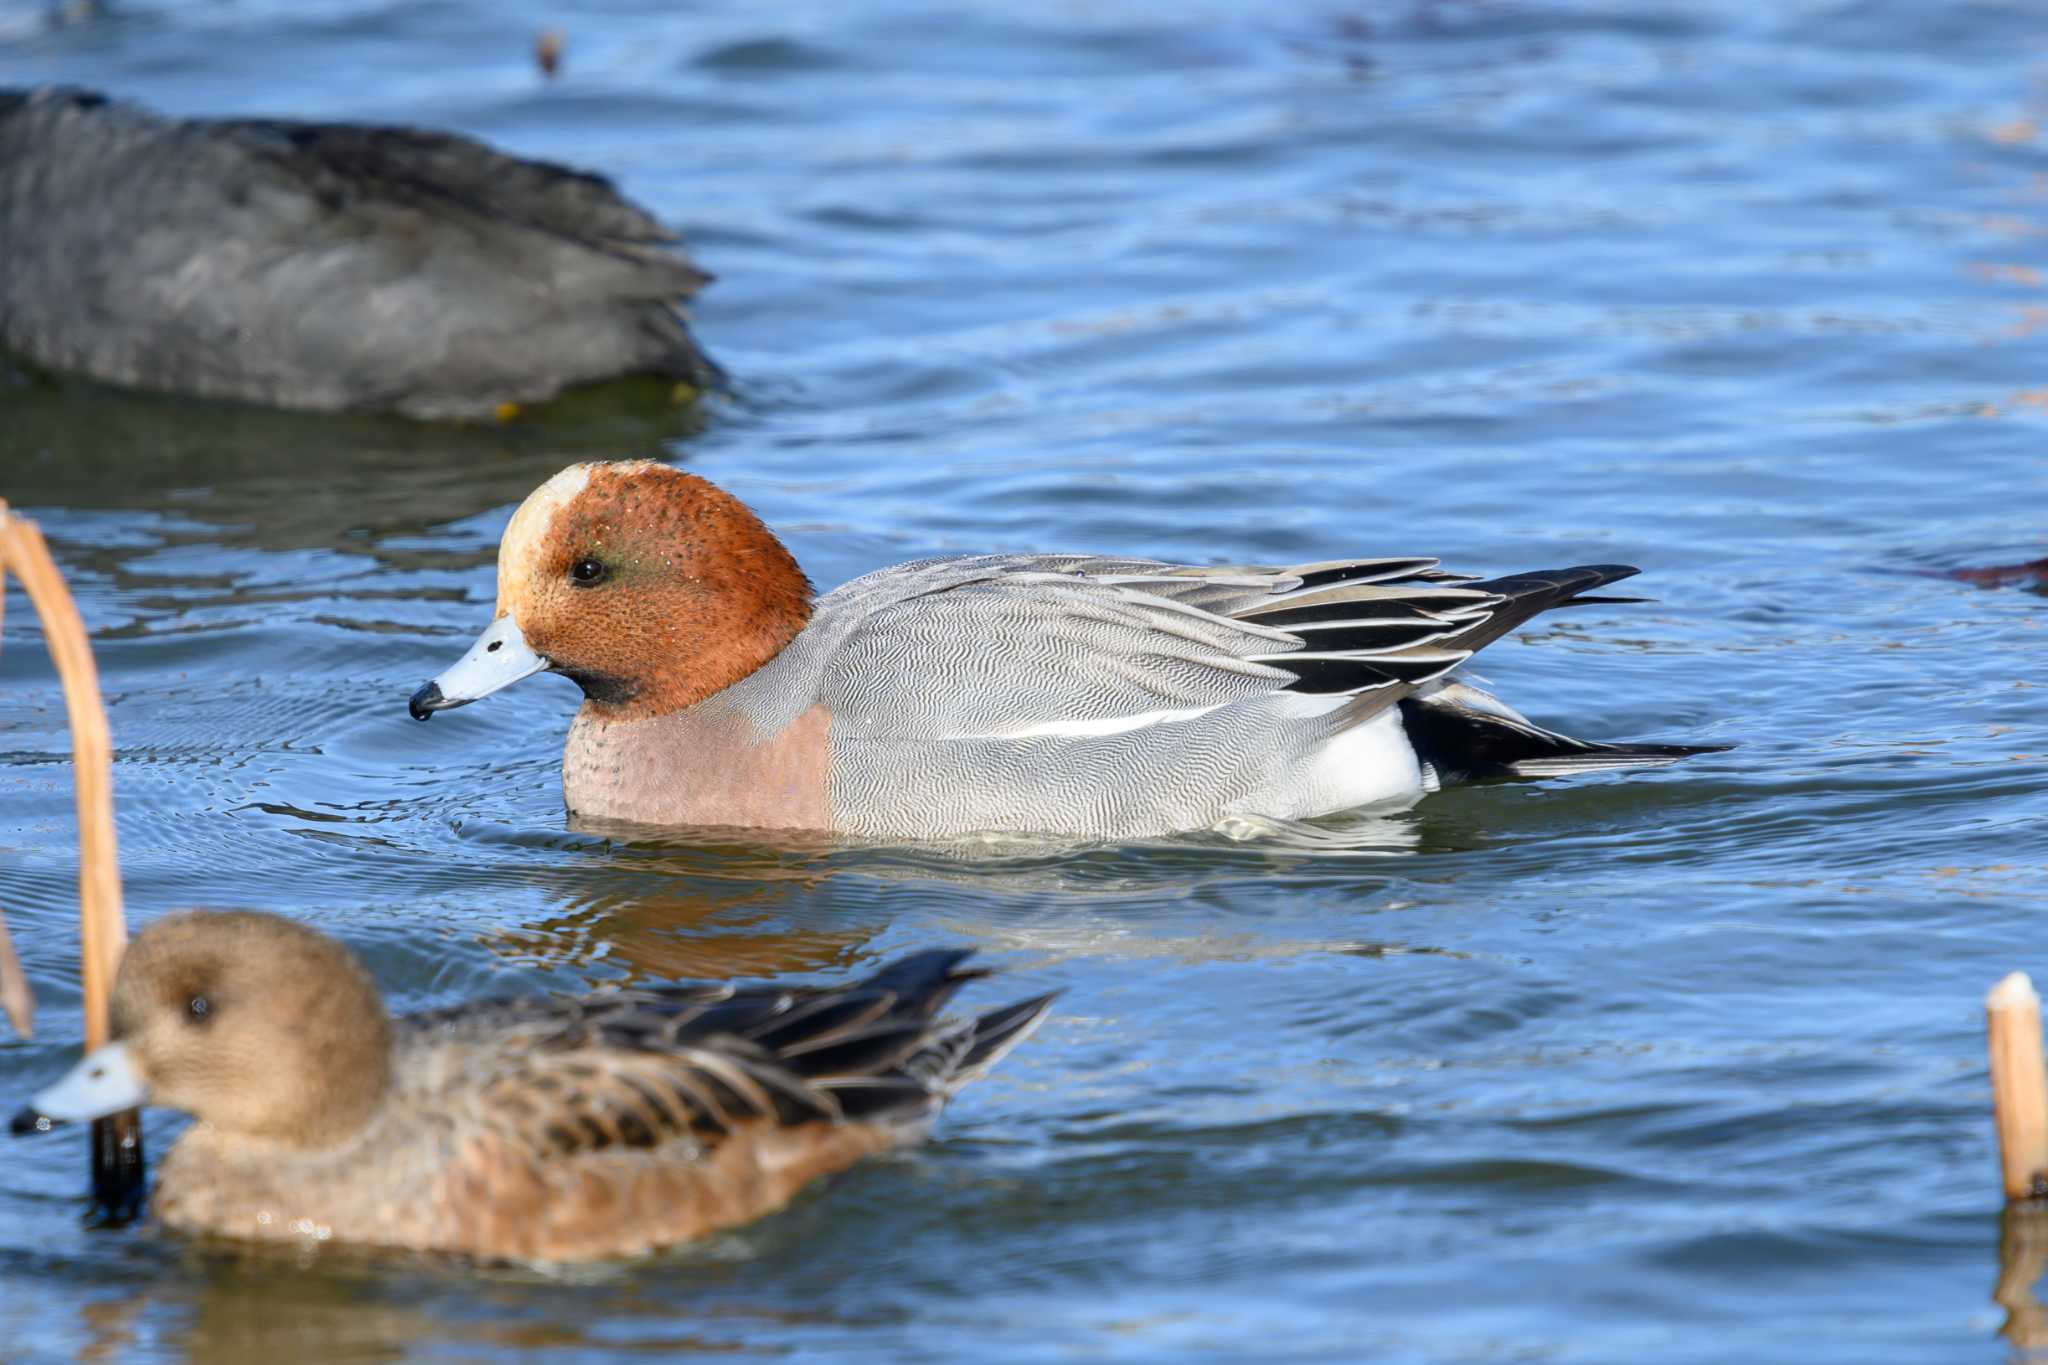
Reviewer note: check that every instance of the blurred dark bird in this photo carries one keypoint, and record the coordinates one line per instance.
(2032, 574)
(547, 51)
(324, 266)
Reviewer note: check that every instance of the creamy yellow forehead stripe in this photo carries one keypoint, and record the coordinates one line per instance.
(519, 550)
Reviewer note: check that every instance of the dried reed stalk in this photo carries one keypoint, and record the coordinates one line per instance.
(2019, 1084)
(102, 931)
(15, 996)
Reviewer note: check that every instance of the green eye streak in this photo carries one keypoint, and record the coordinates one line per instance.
(593, 568)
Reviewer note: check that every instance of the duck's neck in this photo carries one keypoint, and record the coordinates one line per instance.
(741, 640)
(344, 1097)
(350, 1106)
(216, 1182)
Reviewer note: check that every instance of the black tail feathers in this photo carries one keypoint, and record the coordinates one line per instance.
(1467, 743)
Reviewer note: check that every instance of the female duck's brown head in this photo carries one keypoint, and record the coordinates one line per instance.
(651, 588)
(259, 1027)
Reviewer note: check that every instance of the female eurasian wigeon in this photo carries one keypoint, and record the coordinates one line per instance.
(1057, 694)
(534, 1129)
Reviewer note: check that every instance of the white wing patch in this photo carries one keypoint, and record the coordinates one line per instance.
(1105, 725)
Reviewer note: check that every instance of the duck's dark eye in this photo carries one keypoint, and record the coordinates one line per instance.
(199, 1009)
(587, 573)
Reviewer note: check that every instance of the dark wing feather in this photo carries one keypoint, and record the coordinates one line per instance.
(1384, 637)
(1100, 639)
(640, 1068)
(1525, 595)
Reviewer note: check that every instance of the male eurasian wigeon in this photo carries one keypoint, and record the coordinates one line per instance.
(530, 1129)
(327, 266)
(1058, 694)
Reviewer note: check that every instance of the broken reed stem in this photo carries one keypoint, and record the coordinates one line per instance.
(102, 930)
(2019, 1084)
(15, 996)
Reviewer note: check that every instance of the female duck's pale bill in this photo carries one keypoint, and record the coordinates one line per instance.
(537, 1129)
(1064, 694)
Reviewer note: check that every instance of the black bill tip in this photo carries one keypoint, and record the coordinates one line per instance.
(427, 701)
(29, 1121)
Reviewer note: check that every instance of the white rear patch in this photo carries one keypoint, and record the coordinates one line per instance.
(1367, 765)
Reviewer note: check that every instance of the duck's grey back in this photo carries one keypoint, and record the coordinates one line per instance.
(1020, 693)
(323, 266)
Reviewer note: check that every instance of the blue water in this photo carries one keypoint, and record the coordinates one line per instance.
(1683, 1066)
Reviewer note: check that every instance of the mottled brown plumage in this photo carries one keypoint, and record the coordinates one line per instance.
(543, 1128)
